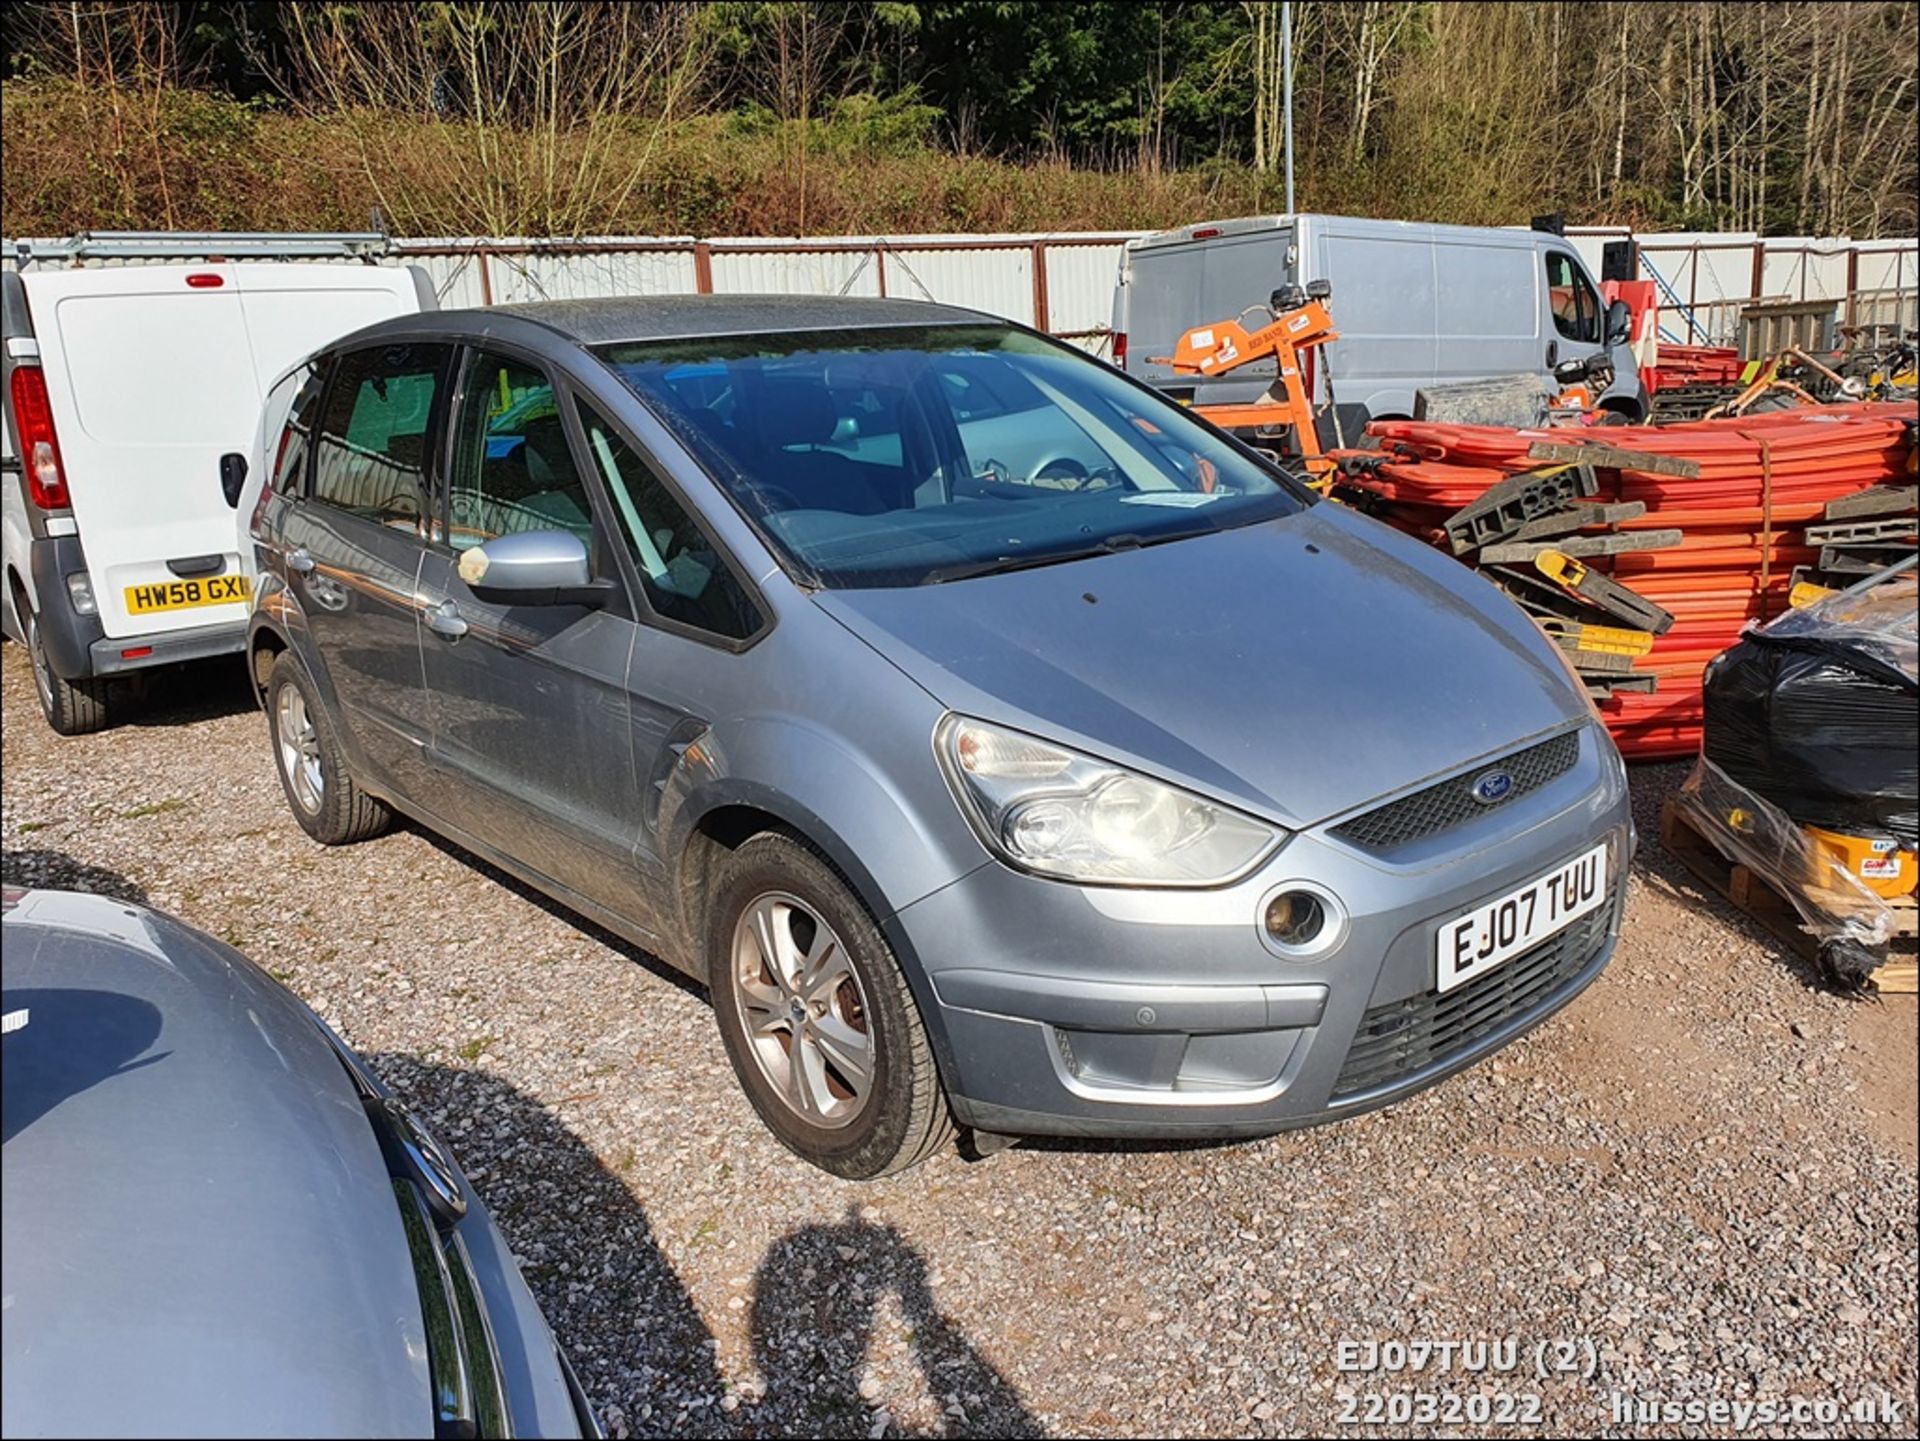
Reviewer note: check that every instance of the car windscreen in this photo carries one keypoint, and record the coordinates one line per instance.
(903, 456)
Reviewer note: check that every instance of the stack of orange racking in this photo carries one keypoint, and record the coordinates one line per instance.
(1762, 479)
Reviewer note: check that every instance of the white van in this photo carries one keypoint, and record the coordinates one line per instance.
(125, 385)
(1416, 306)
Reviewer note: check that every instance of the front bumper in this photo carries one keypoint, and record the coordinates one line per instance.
(1072, 1010)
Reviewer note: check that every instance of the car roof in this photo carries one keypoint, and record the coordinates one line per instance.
(682, 317)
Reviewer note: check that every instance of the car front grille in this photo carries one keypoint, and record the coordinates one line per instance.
(1439, 808)
(1399, 1038)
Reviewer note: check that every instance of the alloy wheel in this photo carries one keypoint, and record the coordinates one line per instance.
(299, 746)
(803, 1010)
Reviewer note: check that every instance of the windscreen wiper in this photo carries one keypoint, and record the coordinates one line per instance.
(1108, 545)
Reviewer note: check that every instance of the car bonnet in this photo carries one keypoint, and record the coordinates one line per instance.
(1299, 667)
(200, 1235)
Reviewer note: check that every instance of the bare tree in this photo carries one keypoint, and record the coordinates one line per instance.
(529, 111)
(124, 62)
(1373, 35)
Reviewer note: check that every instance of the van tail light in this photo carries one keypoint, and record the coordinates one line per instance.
(1120, 349)
(39, 446)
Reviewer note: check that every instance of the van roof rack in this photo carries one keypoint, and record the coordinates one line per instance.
(202, 245)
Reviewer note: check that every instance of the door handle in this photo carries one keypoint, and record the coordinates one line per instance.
(1553, 354)
(298, 560)
(445, 621)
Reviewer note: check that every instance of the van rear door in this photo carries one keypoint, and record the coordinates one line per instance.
(155, 372)
(1177, 283)
(151, 377)
(293, 310)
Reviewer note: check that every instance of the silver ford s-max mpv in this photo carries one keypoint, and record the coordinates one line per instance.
(1000, 744)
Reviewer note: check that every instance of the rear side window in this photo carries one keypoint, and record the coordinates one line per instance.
(296, 434)
(685, 576)
(512, 468)
(1576, 309)
(371, 456)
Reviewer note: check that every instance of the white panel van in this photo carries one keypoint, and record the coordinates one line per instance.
(1415, 305)
(125, 384)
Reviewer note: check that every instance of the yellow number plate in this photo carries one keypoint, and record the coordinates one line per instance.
(185, 594)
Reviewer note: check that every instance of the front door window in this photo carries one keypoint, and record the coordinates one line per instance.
(1576, 309)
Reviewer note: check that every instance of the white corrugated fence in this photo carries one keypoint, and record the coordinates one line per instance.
(1063, 282)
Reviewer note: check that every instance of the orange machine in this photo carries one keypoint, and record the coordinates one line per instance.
(1300, 324)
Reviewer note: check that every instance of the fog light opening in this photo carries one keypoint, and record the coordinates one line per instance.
(1296, 919)
(1299, 920)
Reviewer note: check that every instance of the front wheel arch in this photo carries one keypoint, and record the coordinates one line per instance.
(709, 837)
(906, 1116)
(264, 647)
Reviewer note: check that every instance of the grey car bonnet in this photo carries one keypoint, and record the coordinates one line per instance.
(192, 1189)
(1269, 665)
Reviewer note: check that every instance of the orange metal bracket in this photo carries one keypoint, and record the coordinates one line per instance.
(1227, 345)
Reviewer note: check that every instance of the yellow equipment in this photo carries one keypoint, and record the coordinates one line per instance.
(1876, 864)
(1605, 639)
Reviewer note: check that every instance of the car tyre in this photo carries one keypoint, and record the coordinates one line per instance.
(72, 707)
(321, 792)
(844, 987)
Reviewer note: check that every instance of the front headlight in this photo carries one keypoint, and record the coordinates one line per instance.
(1058, 813)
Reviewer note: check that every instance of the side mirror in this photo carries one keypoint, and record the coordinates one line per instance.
(1619, 323)
(533, 567)
(233, 477)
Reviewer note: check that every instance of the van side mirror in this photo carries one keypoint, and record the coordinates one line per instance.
(533, 567)
(233, 477)
(1619, 323)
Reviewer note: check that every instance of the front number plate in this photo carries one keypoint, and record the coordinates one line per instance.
(1495, 933)
(185, 594)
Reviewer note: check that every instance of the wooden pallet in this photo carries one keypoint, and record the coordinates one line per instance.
(1750, 893)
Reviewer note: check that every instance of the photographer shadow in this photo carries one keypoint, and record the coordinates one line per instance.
(812, 1327)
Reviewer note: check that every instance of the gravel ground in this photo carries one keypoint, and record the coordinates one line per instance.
(1702, 1175)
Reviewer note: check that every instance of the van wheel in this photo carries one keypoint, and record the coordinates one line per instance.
(72, 707)
(321, 792)
(816, 1017)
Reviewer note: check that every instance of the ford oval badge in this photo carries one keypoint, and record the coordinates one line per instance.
(1493, 787)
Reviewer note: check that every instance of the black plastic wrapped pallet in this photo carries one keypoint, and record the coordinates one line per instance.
(1821, 726)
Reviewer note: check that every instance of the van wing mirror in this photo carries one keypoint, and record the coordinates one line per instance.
(1619, 323)
(233, 477)
(533, 567)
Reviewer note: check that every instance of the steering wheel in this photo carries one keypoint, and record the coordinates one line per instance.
(1065, 468)
(1061, 467)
